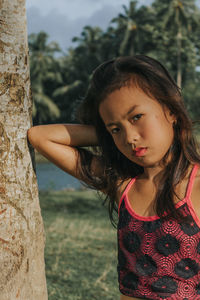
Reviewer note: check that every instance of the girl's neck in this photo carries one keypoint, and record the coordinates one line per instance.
(153, 173)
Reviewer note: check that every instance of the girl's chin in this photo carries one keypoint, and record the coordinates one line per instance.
(145, 163)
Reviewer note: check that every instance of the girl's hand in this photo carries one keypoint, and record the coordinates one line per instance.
(58, 142)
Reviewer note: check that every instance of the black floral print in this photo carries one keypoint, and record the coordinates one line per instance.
(190, 228)
(198, 248)
(167, 245)
(152, 226)
(130, 281)
(198, 288)
(145, 265)
(186, 268)
(164, 285)
(121, 259)
(131, 241)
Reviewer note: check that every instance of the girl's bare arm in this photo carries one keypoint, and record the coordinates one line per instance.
(58, 142)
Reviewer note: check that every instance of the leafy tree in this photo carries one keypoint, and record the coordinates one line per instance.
(134, 29)
(191, 93)
(76, 68)
(168, 30)
(43, 67)
(176, 22)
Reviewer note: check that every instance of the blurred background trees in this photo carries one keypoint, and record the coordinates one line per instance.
(168, 30)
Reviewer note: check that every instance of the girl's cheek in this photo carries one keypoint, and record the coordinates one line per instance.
(114, 140)
(118, 143)
(151, 126)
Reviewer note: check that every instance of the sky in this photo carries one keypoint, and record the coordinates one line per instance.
(64, 19)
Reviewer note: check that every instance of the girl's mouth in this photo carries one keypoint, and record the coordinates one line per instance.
(140, 151)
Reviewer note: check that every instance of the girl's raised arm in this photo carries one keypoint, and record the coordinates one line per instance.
(58, 142)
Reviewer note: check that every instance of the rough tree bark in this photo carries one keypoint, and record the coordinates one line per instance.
(22, 275)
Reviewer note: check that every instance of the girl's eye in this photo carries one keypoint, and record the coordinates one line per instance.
(114, 130)
(137, 117)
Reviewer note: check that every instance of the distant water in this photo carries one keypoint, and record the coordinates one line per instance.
(49, 176)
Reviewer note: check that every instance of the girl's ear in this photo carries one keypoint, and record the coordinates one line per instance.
(174, 120)
(170, 116)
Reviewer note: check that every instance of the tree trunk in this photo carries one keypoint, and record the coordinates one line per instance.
(22, 275)
(179, 67)
(179, 49)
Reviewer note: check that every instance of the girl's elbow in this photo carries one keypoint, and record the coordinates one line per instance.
(32, 135)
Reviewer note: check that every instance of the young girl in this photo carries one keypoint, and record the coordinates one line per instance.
(145, 159)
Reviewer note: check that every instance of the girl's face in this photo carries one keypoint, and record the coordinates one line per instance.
(135, 120)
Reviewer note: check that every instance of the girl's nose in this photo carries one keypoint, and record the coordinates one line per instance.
(131, 135)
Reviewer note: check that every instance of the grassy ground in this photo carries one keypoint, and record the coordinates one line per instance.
(40, 158)
(80, 249)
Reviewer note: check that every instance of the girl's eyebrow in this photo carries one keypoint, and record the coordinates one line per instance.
(126, 114)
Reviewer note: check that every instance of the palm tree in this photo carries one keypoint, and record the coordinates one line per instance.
(42, 67)
(21, 228)
(88, 47)
(130, 34)
(178, 19)
(75, 69)
(134, 29)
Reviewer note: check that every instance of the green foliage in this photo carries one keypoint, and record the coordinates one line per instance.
(168, 30)
(191, 95)
(176, 22)
(43, 68)
(130, 29)
(80, 251)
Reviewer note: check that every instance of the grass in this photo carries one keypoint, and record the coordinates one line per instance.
(80, 251)
(39, 158)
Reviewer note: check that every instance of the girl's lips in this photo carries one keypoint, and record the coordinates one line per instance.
(140, 151)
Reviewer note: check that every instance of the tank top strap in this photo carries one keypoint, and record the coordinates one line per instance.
(191, 181)
(127, 188)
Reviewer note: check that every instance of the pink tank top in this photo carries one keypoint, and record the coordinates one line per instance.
(159, 259)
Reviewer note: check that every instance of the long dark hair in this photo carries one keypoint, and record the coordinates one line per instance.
(153, 79)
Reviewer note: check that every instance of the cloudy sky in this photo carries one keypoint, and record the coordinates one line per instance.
(64, 19)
